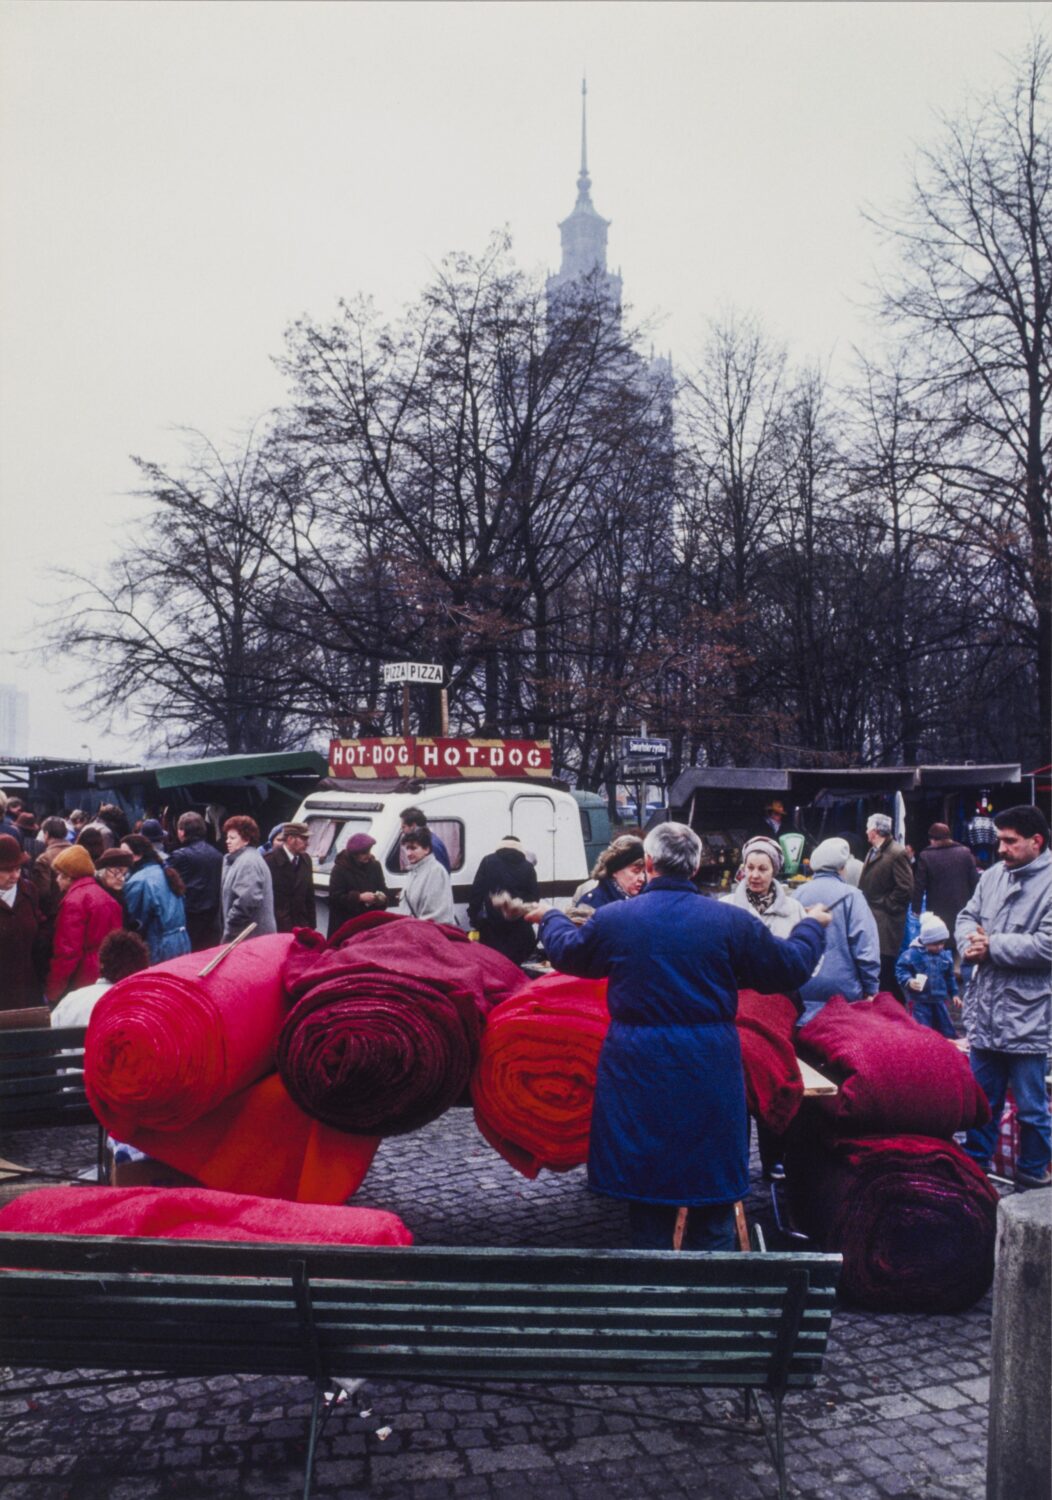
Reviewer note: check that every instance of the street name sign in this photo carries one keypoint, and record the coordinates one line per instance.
(638, 747)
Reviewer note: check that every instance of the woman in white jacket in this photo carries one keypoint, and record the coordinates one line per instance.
(759, 893)
(428, 890)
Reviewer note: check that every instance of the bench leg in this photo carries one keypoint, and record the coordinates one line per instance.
(312, 1439)
(775, 1444)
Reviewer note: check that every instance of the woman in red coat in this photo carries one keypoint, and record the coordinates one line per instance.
(86, 914)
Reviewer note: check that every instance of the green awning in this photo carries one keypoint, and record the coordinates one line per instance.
(236, 767)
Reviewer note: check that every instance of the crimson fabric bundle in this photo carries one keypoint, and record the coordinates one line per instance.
(165, 1046)
(773, 1086)
(874, 1173)
(535, 1080)
(894, 1076)
(182, 1067)
(914, 1218)
(188, 1213)
(384, 1031)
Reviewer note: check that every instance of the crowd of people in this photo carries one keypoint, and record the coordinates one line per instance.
(83, 899)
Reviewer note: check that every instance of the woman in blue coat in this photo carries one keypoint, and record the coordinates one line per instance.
(153, 902)
(669, 1123)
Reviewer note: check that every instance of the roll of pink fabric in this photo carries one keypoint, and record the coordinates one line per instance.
(166, 1046)
(187, 1213)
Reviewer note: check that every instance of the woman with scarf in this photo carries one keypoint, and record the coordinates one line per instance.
(760, 894)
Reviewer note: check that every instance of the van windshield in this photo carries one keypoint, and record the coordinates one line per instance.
(328, 835)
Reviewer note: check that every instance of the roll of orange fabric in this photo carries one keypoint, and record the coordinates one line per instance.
(533, 1086)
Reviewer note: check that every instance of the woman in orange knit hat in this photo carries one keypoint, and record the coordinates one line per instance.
(86, 914)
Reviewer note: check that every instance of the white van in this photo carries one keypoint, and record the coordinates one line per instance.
(471, 817)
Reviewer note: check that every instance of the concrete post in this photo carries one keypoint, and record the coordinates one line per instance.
(1019, 1451)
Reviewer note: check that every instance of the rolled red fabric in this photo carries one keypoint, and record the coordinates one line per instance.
(914, 1218)
(188, 1213)
(165, 1046)
(895, 1077)
(259, 1141)
(773, 1086)
(384, 1032)
(535, 1080)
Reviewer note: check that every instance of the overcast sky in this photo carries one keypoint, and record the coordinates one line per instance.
(179, 181)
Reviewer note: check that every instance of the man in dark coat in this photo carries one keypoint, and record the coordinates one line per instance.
(200, 866)
(946, 874)
(669, 1123)
(23, 955)
(506, 869)
(292, 872)
(887, 884)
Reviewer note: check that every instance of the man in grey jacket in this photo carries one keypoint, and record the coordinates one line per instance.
(1005, 931)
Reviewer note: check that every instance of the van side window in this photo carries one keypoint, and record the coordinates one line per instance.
(449, 830)
(586, 825)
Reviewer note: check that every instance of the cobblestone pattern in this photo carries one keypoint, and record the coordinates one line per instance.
(899, 1413)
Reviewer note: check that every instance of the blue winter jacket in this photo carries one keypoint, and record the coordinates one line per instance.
(160, 914)
(851, 963)
(669, 1122)
(937, 968)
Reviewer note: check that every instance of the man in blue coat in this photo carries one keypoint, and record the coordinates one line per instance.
(669, 1123)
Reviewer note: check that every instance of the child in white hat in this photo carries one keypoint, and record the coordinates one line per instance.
(925, 972)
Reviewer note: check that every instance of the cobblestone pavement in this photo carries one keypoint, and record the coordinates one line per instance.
(900, 1410)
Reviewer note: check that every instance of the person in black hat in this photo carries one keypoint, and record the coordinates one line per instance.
(357, 883)
(292, 873)
(622, 875)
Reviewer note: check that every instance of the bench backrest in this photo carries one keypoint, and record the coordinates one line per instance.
(42, 1078)
(606, 1316)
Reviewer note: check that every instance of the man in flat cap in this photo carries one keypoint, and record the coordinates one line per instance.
(292, 873)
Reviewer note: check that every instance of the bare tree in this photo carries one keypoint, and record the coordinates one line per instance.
(974, 292)
(177, 632)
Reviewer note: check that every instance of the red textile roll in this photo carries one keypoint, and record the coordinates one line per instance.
(914, 1218)
(384, 1033)
(535, 1080)
(165, 1047)
(259, 1141)
(773, 1086)
(188, 1213)
(895, 1076)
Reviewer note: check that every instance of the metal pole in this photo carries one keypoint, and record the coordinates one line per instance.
(405, 709)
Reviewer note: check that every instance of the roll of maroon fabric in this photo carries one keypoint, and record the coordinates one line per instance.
(773, 1086)
(384, 1032)
(187, 1213)
(895, 1077)
(914, 1218)
(535, 1080)
(166, 1046)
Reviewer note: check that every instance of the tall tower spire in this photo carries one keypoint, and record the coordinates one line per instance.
(584, 182)
(583, 232)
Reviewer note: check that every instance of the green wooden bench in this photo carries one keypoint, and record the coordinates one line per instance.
(756, 1322)
(42, 1085)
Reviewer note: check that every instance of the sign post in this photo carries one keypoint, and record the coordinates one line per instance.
(427, 672)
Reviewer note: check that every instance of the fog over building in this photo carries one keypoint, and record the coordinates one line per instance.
(14, 720)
